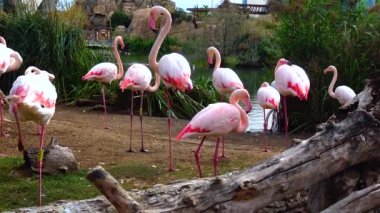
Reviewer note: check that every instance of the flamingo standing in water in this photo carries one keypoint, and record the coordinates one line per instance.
(33, 98)
(137, 78)
(225, 80)
(290, 80)
(268, 98)
(342, 93)
(107, 72)
(173, 68)
(10, 60)
(216, 120)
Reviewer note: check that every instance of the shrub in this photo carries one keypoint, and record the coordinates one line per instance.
(120, 18)
(317, 33)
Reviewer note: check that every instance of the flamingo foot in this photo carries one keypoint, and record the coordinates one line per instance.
(5, 135)
(144, 150)
(130, 150)
(107, 127)
(266, 149)
(171, 169)
(223, 156)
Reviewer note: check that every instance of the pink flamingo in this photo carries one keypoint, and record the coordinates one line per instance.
(290, 80)
(342, 93)
(216, 120)
(107, 72)
(173, 68)
(10, 60)
(268, 98)
(225, 80)
(137, 78)
(33, 98)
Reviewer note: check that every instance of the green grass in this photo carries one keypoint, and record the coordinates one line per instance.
(19, 190)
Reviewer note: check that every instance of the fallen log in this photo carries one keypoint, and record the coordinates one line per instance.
(344, 141)
(366, 199)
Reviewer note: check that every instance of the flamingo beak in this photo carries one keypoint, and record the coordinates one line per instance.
(152, 24)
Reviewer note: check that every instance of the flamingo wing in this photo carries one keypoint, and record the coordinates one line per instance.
(344, 94)
(104, 72)
(215, 119)
(225, 80)
(268, 97)
(175, 71)
(137, 77)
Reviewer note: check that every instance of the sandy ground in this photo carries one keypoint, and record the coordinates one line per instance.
(81, 128)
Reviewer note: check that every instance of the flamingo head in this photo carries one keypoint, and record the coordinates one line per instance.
(155, 12)
(330, 68)
(189, 85)
(125, 84)
(210, 55)
(265, 84)
(280, 62)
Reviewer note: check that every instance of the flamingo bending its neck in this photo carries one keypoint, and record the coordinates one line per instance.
(33, 98)
(138, 78)
(10, 60)
(173, 68)
(225, 80)
(291, 80)
(342, 93)
(107, 72)
(216, 120)
(268, 98)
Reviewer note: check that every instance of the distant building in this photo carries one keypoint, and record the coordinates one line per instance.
(262, 2)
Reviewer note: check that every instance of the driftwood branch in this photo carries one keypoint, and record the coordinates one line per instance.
(344, 141)
(358, 201)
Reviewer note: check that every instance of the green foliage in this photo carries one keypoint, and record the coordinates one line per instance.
(120, 18)
(180, 15)
(138, 45)
(315, 34)
(19, 190)
(43, 40)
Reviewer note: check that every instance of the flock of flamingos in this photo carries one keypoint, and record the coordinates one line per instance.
(33, 96)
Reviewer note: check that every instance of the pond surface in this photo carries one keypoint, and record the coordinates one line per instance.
(251, 78)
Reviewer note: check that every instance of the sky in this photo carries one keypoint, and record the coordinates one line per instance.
(193, 3)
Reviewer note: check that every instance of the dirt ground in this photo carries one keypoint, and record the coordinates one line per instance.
(81, 128)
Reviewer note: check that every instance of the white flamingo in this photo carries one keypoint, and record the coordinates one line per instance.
(342, 93)
(107, 72)
(225, 80)
(33, 98)
(10, 60)
(173, 68)
(138, 78)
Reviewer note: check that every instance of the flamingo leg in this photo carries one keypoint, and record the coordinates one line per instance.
(105, 109)
(197, 156)
(20, 140)
(1, 118)
(286, 122)
(265, 132)
(40, 161)
(168, 100)
(222, 137)
(130, 131)
(141, 123)
(216, 158)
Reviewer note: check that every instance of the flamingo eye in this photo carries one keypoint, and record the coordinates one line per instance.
(42, 106)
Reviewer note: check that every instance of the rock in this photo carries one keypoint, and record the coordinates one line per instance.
(57, 159)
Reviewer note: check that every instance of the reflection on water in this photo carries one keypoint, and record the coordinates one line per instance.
(256, 118)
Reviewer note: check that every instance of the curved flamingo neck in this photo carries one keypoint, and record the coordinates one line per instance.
(118, 40)
(332, 84)
(218, 58)
(2, 40)
(159, 40)
(156, 83)
(16, 62)
(244, 121)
